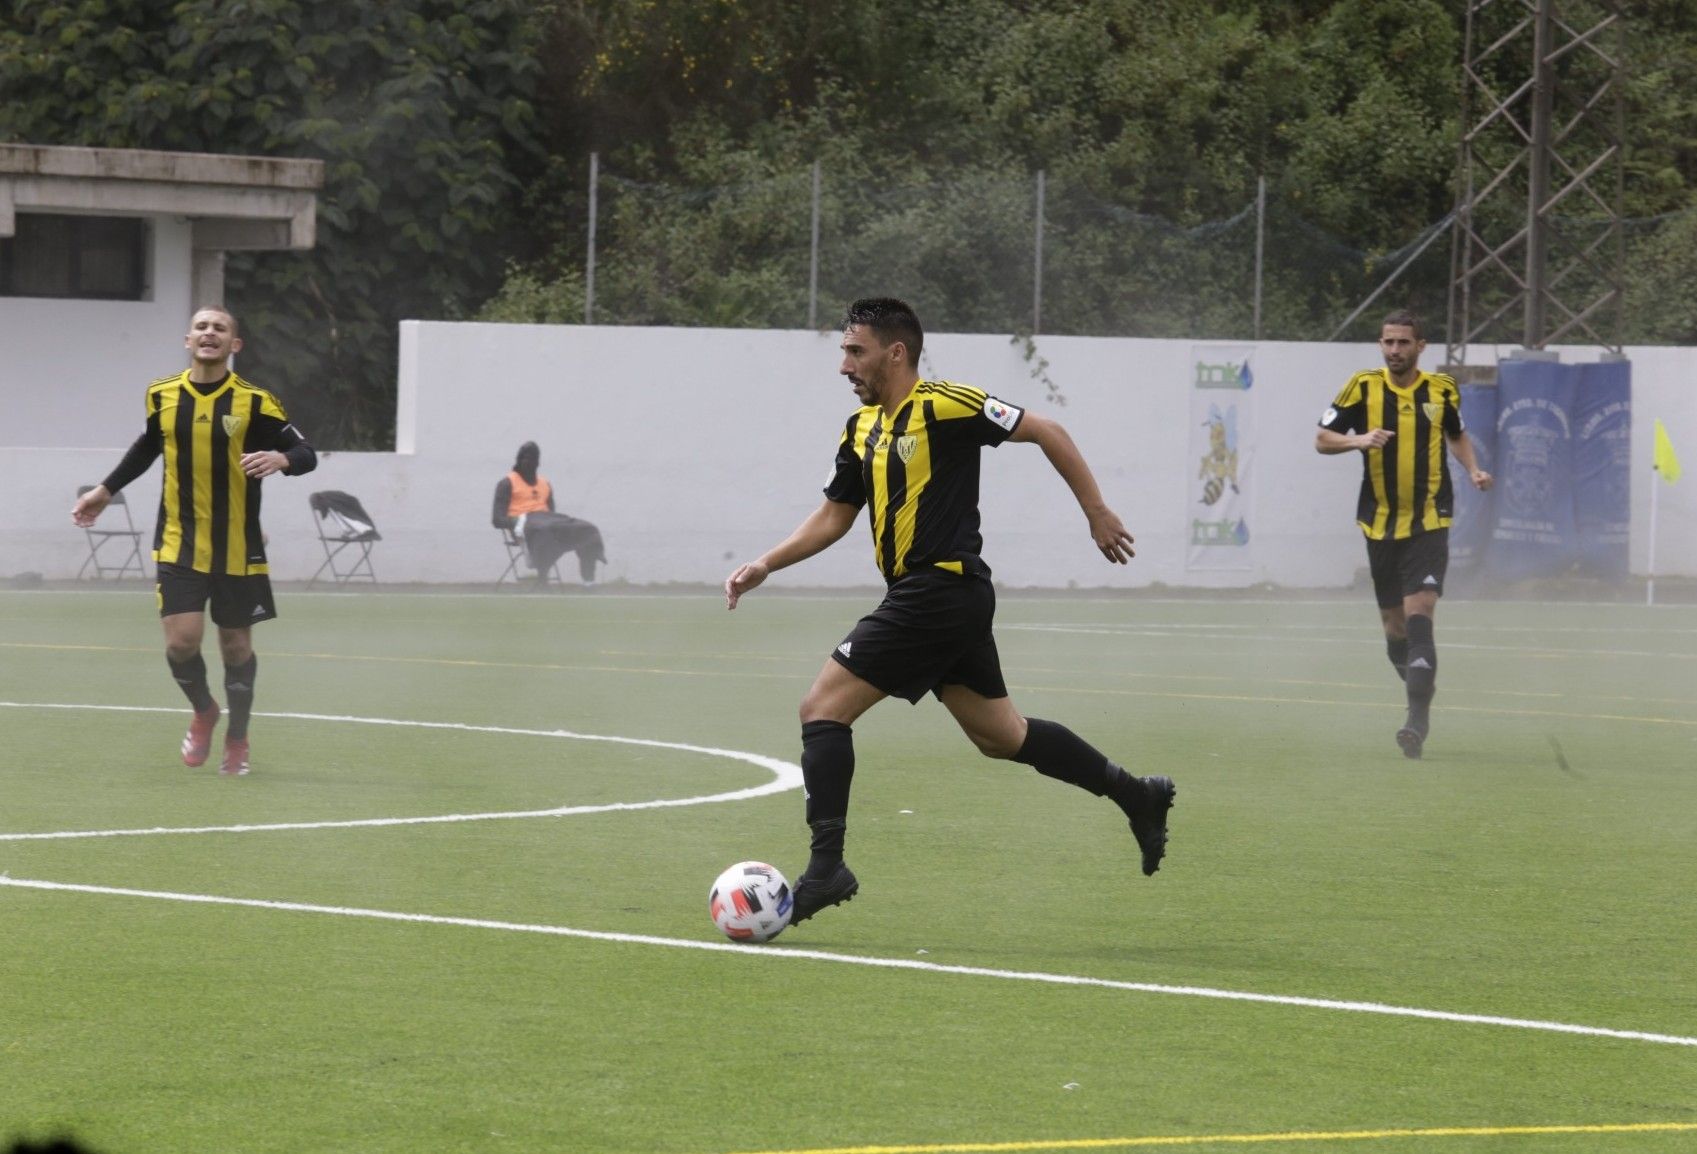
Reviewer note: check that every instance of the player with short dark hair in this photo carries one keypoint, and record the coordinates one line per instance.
(911, 454)
(220, 436)
(1400, 419)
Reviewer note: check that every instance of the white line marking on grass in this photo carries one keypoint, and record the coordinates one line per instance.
(786, 953)
(785, 776)
(1254, 632)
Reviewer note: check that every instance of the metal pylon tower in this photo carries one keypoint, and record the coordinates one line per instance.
(1537, 254)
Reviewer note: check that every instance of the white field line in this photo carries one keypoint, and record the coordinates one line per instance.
(781, 952)
(869, 594)
(1246, 632)
(785, 776)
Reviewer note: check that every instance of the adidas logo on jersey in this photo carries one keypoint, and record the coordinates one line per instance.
(844, 648)
(203, 419)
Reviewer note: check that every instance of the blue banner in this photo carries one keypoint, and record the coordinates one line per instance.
(1602, 466)
(1533, 535)
(1470, 529)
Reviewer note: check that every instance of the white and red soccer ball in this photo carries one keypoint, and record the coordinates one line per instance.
(750, 902)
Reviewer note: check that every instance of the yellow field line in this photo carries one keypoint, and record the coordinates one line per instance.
(1246, 1139)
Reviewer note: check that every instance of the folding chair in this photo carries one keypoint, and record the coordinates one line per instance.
(125, 542)
(343, 524)
(518, 557)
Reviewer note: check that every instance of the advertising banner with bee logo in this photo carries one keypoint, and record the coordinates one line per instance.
(1222, 456)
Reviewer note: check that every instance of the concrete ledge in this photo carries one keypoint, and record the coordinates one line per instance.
(226, 195)
(169, 167)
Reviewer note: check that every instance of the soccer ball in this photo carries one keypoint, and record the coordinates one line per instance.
(750, 902)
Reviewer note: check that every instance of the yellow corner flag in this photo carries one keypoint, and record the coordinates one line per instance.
(1666, 460)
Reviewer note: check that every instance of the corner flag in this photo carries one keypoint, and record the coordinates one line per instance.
(1666, 461)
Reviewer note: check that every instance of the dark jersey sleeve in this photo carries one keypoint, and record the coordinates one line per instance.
(995, 422)
(1453, 427)
(1348, 412)
(847, 485)
(503, 501)
(146, 449)
(270, 432)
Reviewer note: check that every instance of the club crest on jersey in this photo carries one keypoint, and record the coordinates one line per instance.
(232, 425)
(1434, 410)
(1002, 414)
(906, 447)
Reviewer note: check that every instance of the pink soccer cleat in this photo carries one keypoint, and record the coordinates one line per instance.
(235, 757)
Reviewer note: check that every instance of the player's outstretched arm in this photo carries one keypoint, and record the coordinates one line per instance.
(823, 528)
(1106, 529)
(89, 506)
(1331, 442)
(1461, 448)
(136, 462)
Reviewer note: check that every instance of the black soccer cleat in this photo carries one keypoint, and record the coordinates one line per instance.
(1149, 820)
(1412, 736)
(814, 894)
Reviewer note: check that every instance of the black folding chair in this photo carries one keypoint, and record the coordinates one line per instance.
(343, 524)
(123, 543)
(518, 561)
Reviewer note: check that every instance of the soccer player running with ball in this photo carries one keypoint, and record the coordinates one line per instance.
(1400, 419)
(911, 452)
(220, 436)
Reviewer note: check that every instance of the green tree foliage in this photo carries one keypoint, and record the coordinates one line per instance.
(930, 118)
(457, 135)
(421, 109)
(1152, 119)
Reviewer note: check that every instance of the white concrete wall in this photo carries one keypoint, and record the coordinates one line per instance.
(72, 372)
(696, 449)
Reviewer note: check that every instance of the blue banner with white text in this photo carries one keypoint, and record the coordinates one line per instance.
(1533, 533)
(1602, 466)
(1470, 528)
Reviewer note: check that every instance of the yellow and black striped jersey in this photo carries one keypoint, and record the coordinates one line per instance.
(208, 507)
(919, 473)
(1405, 486)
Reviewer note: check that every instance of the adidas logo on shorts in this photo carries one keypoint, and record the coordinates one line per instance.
(844, 648)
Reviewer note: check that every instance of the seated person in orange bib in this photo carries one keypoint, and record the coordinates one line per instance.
(524, 503)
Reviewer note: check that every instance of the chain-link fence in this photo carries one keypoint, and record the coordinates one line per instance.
(978, 252)
(988, 251)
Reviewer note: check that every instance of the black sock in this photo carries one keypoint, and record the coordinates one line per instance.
(191, 677)
(827, 771)
(1422, 668)
(238, 691)
(1055, 751)
(1396, 648)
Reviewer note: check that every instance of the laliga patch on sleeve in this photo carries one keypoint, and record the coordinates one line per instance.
(1001, 413)
(1328, 416)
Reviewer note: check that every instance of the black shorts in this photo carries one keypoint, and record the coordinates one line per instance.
(1412, 565)
(931, 629)
(237, 602)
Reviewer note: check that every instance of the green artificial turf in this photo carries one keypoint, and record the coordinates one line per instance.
(1537, 865)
